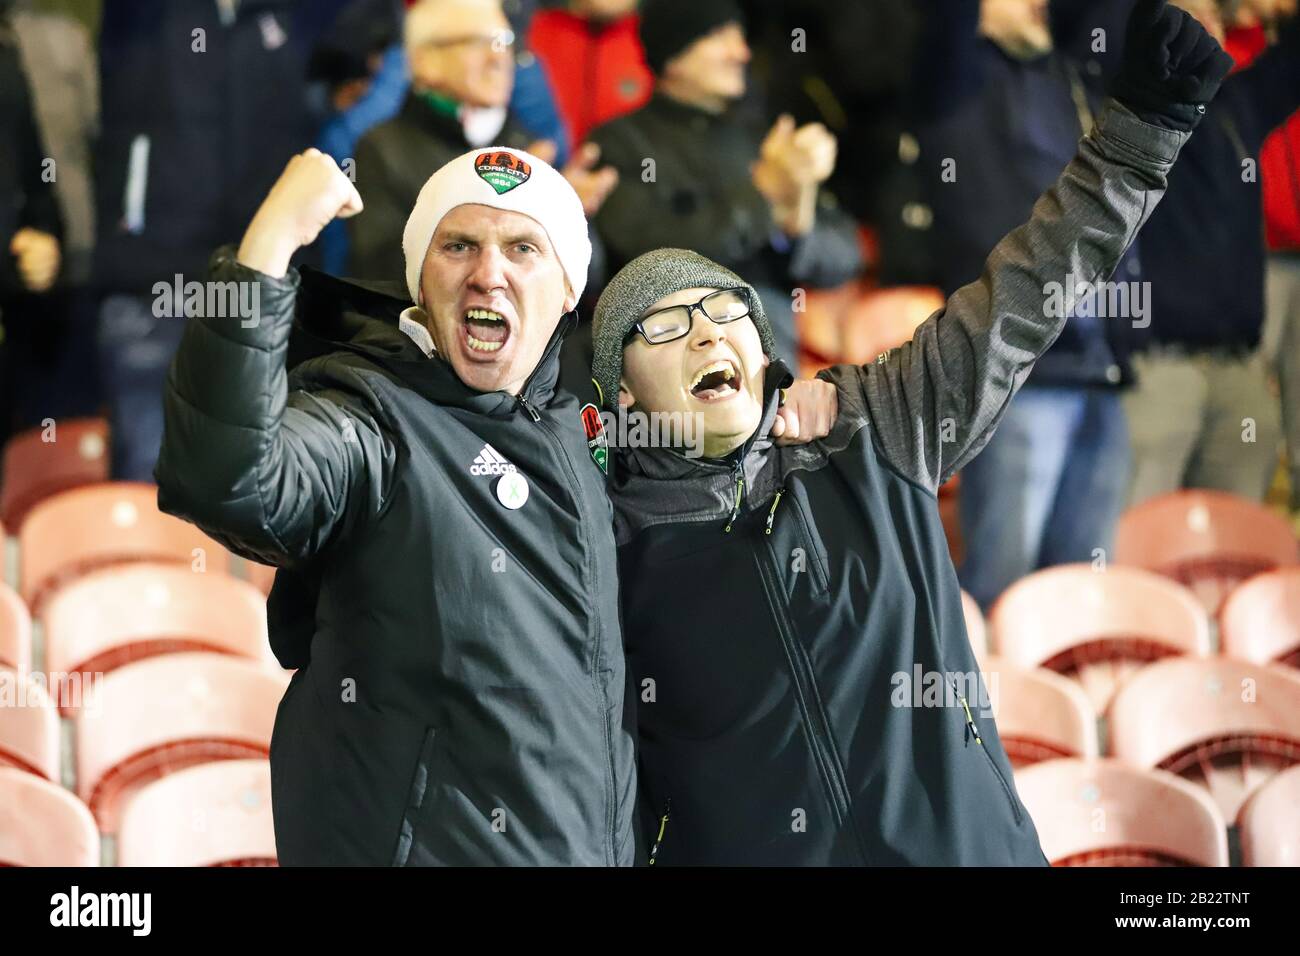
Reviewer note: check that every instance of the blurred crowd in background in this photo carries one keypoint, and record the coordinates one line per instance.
(854, 161)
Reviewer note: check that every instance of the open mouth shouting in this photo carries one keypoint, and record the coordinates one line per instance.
(486, 333)
(715, 382)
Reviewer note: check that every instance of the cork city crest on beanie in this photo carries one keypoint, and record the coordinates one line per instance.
(502, 178)
(639, 285)
(669, 26)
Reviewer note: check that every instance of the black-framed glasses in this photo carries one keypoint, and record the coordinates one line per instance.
(670, 324)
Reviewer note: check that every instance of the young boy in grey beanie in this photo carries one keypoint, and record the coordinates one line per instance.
(805, 687)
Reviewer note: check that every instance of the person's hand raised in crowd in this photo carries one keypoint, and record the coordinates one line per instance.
(808, 410)
(544, 149)
(592, 185)
(1171, 67)
(792, 164)
(310, 193)
(38, 258)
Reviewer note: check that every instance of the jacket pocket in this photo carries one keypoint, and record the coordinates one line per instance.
(418, 794)
(973, 736)
(1006, 787)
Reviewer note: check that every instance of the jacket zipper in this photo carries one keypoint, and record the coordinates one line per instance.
(738, 474)
(771, 512)
(801, 671)
(659, 837)
(805, 684)
(528, 406)
(770, 388)
(973, 731)
(563, 328)
(522, 401)
(611, 817)
(828, 767)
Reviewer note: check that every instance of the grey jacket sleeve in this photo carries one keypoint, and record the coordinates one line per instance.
(272, 474)
(935, 401)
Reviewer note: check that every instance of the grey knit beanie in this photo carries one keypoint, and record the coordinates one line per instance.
(640, 284)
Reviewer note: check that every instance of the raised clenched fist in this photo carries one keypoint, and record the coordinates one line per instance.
(1172, 67)
(310, 193)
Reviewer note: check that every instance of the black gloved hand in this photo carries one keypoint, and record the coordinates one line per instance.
(1171, 66)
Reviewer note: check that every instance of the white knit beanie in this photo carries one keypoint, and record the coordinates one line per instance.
(508, 179)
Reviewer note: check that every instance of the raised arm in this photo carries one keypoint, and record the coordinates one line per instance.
(935, 401)
(271, 474)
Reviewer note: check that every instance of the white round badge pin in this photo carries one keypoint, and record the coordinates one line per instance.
(512, 490)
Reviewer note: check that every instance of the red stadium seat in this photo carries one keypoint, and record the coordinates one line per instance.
(1040, 714)
(1226, 725)
(100, 525)
(42, 824)
(855, 324)
(1269, 823)
(886, 318)
(29, 727)
(1260, 621)
(1105, 813)
(214, 814)
(820, 326)
(117, 615)
(153, 717)
(15, 632)
(1097, 627)
(35, 469)
(1208, 540)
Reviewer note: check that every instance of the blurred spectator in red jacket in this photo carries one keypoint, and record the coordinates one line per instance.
(1254, 29)
(592, 54)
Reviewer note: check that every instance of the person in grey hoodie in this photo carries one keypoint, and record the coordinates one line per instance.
(806, 692)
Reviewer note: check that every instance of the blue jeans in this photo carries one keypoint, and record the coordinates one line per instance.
(135, 352)
(1047, 489)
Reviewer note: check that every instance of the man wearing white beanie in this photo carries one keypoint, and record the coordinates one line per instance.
(537, 221)
(447, 592)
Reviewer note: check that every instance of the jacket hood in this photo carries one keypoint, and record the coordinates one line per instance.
(350, 315)
(666, 481)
